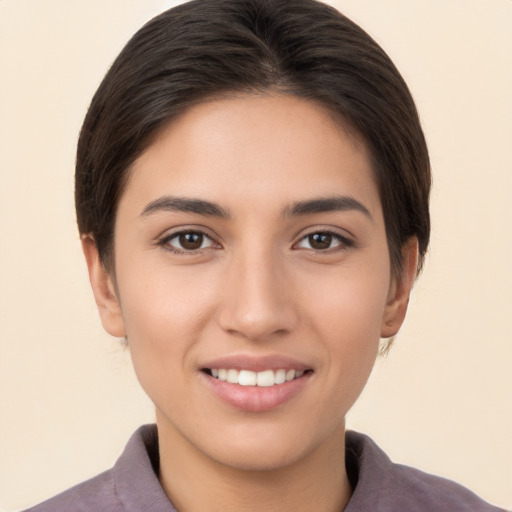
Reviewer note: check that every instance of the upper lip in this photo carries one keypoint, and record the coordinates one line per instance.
(256, 363)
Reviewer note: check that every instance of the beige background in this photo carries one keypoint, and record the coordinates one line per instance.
(440, 401)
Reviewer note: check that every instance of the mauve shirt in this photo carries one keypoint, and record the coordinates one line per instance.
(379, 485)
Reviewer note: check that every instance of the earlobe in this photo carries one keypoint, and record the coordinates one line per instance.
(400, 290)
(104, 290)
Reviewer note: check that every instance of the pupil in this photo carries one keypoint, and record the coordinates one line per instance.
(191, 241)
(320, 240)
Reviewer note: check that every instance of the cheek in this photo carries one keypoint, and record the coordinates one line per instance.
(346, 312)
(164, 313)
(349, 303)
(157, 299)
(353, 333)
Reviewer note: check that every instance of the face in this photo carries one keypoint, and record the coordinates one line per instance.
(252, 278)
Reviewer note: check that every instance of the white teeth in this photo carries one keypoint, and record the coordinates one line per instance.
(232, 376)
(280, 376)
(265, 378)
(247, 378)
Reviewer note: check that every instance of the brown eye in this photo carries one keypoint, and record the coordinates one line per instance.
(191, 241)
(324, 241)
(188, 241)
(319, 241)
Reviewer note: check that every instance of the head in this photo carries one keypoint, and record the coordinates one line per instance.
(208, 49)
(252, 190)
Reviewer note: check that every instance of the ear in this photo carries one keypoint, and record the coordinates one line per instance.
(400, 290)
(104, 290)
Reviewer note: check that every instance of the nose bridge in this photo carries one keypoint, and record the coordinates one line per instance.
(256, 298)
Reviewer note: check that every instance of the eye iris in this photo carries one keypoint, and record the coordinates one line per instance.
(191, 241)
(320, 240)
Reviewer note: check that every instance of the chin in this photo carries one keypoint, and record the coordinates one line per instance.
(257, 459)
(271, 447)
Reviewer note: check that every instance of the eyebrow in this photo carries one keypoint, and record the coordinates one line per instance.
(186, 205)
(326, 204)
(299, 208)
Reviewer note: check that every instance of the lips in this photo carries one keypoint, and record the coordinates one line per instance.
(256, 384)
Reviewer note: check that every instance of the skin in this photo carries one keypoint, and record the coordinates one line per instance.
(259, 285)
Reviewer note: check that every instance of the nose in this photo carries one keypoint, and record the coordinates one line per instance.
(257, 298)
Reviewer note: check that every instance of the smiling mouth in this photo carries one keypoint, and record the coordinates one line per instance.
(266, 378)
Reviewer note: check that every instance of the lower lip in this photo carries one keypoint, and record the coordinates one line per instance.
(256, 398)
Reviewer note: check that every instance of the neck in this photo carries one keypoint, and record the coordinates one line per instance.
(193, 481)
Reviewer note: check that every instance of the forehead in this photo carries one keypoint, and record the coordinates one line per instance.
(258, 147)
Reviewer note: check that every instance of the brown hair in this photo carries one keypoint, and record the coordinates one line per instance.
(205, 48)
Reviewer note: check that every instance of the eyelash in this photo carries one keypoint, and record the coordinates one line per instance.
(165, 242)
(344, 242)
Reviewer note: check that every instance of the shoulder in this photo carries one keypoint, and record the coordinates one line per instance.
(437, 492)
(385, 486)
(97, 493)
(131, 485)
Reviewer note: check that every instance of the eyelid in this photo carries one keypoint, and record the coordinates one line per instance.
(346, 239)
(163, 239)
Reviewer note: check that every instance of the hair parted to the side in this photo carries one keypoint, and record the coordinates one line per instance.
(208, 48)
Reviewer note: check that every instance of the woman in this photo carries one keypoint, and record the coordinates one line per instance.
(252, 191)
